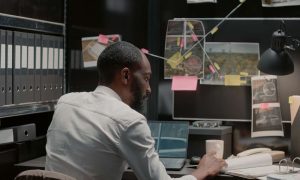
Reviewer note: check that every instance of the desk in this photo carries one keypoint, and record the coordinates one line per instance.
(39, 163)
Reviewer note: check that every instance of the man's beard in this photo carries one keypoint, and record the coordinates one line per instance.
(139, 98)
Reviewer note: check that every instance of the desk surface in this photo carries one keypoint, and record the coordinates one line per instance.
(39, 163)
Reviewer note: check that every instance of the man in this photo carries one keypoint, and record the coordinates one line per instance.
(95, 135)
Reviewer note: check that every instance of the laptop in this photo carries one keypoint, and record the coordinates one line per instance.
(171, 142)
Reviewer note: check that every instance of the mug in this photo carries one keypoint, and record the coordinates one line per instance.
(215, 145)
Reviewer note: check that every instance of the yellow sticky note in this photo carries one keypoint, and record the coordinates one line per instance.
(217, 65)
(190, 25)
(188, 55)
(178, 41)
(243, 81)
(232, 80)
(290, 100)
(175, 59)
(214, 30)
(243, 73)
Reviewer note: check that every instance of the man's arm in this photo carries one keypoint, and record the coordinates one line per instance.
(137, 147)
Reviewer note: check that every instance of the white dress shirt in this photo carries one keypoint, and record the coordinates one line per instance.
(93, 135)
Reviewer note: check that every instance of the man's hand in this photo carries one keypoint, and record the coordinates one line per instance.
(209, 165)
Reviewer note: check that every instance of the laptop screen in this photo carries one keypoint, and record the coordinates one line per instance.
(171, 138)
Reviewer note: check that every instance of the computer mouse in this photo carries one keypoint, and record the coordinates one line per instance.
(195, 160)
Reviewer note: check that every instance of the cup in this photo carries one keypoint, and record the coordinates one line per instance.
(215, 145)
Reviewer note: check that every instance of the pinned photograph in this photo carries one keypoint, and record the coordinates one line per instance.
(92, 47)
(280, 3)
(264, 89)
(267, 120)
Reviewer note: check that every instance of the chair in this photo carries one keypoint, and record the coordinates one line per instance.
(38, 174)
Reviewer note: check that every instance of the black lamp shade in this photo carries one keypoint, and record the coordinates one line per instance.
(276, 63)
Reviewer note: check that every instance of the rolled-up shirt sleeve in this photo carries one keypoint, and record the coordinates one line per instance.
(137, 147)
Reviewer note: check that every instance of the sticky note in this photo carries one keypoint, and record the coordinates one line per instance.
(190, 25)
(114, 37)
(232, 80)
(181, 43)
(243, 81)
(212, 69)
(194, 37)
(214, 30)
(264, 106)
(178, 41)
(103, 39)
(184, 83)
(243, 73)
(290, 100)
(188, 55)
(217, 65)
(145, 51)
(175, 59)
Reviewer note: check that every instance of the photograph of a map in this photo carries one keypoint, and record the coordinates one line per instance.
(182, 58)
(230, 62)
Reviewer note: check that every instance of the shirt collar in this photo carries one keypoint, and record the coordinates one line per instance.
(108, 91)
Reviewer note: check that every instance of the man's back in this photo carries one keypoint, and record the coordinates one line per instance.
(84, 136)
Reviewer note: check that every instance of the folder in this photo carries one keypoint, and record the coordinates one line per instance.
(9, 67)
(30, 75)
(37, 67)
(61, 66)
(44, 84)
(17, 68)
(2, 67)
(24, 68)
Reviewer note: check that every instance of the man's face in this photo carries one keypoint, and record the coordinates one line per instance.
(140, 87)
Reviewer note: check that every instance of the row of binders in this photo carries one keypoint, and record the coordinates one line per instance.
(31, 67)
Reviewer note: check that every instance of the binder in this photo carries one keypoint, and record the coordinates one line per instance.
(24, 68)
(50, 67)
(9, 67)
(44, 84)
(17, 68)
(2, 67)
(61, 66)
(37, 67)
(56, 68)
(30, 75)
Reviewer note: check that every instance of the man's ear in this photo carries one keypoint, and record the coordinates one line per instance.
(125, 75)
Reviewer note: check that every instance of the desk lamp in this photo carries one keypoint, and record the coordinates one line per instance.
(277, 59)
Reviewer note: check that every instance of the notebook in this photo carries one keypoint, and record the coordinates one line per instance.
(171, 142)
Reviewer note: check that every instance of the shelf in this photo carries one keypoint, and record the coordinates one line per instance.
(26, 108)
(18, 22)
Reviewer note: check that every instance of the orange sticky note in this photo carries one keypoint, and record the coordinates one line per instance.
(145, 51)
(264, 106)
(184, 83)
(103, 39)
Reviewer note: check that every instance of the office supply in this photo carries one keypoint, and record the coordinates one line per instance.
(2, 67)
(17, 73)
(50, 74)
(253, 151)
(18, 133)
(61, 66)
(37, 67)
(24, 68)
(44, 79)
(6, 136)
(184, 83)
(31, 69)
(171, 141)
(9, 67)
(56, 80)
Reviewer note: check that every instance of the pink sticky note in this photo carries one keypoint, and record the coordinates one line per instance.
(264, 106)
(114, 37)
(145, 51)
(182, 43)
(194, 37)
(184, 83)
(212, 69)
(103, 39)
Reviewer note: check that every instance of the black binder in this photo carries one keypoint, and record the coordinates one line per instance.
(61, 66)
(30, 71)
(24, 68)
(9, 67)
(2, 67)
(37, 67)
(17, 68)
(44, 83)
